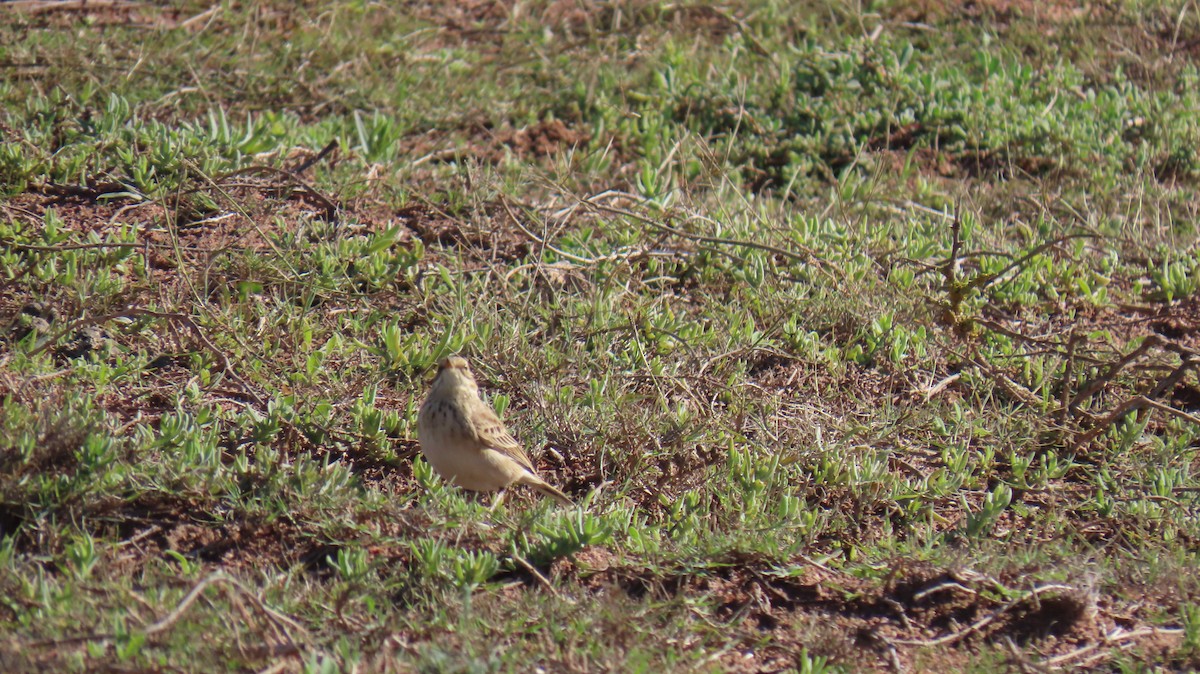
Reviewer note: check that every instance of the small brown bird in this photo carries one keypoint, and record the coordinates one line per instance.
(466, 443)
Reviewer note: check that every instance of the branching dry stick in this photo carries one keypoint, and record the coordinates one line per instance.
(1069, 407)
(330, 207)
(956, 290)
(1103, 424)
(1101, 381)
(1167, 383)
(181, 608)
(539, 240)
(949, 267)
(1149, 402)
(809, 257)
(1113, 638)
(629, 255)
(1183, 351)
(987, 280)
(237, 206)
(1018, 392)
(1031, 339)
(280, 621)
(1134, 403)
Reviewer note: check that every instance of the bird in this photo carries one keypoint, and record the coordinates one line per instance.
(467, 444)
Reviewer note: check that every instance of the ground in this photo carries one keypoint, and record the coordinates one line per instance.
(864, 336)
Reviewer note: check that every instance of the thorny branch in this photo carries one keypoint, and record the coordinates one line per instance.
(283, 625)
(597, 203)
(1081, 425)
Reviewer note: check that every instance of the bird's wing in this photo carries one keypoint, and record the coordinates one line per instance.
(491, 433)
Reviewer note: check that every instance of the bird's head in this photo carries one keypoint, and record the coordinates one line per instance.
(454, 372)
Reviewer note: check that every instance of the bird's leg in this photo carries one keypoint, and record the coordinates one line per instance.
(498, 500)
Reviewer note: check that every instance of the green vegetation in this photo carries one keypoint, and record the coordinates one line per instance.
(863, 334)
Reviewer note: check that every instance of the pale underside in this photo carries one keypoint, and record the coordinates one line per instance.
(480, 456)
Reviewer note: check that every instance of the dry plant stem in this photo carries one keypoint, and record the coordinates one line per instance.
(942, 385)
(996, 327)
(1172, 379)
(1068, 377)
(986, 281)
(893, 655)
(279, 621)
(1095, 385)
(620, 254)
(174, 616)
(1019, 659)
(331, 208)
(312, 161)
(1116, 636)
(1154, 404)
(1101, 381)
(1183, 351)
(1012, 388)
(593, 202)
(915, 206)
(242, 211)
(945, 585)
(949, 271)
(541, 579)
(1134, 403)
(516, 221)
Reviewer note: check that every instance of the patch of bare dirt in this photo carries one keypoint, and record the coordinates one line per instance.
(81, 208)
(481, 142)
(896, 147)
(201, 225)
(1178, 321)
(488, 239)
(898, 150)
(542, 139)
(474, 22)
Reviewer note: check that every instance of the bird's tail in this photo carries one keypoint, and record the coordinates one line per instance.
(545, 487)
